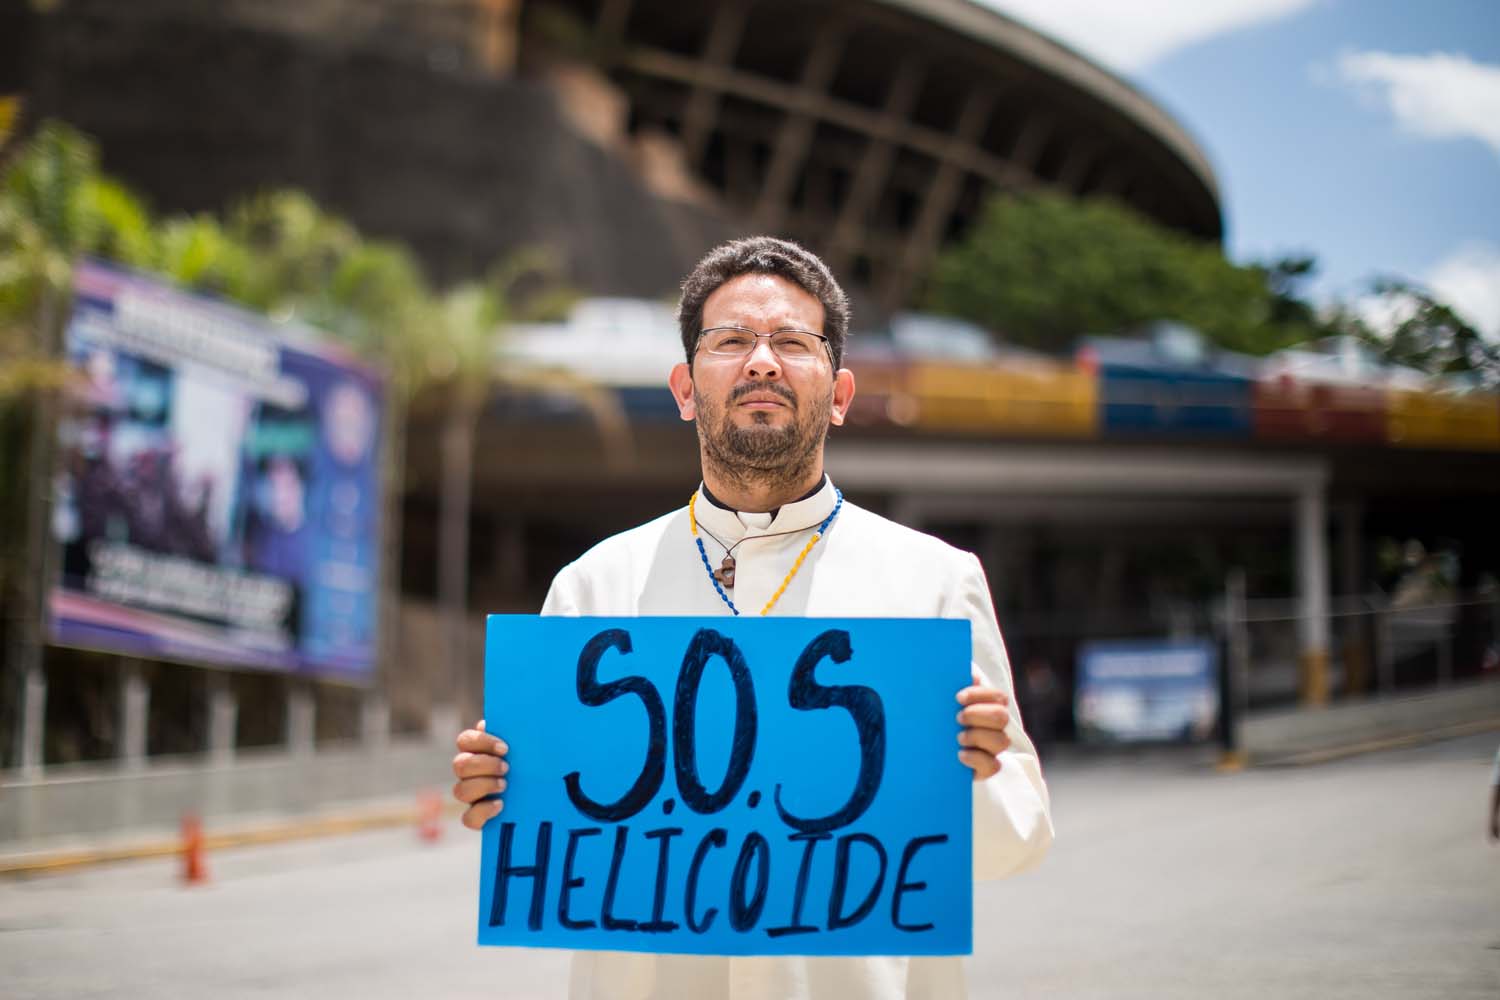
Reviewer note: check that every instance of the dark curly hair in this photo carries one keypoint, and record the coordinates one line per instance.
(764, 255)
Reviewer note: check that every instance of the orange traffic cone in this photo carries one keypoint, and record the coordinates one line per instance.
(430, 816)
(194, 871)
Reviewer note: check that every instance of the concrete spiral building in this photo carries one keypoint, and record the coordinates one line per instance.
(627, 133)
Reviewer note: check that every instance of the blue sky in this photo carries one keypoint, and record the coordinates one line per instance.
(1365, 132)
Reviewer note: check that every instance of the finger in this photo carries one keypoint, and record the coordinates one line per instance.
(982, 764)
(988, 715)
(479, 741)
(471, 790)
(477, 765)
(481, 813)
(979, 694)
(991, 741)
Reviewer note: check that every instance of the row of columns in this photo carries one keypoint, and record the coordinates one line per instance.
(134, 712)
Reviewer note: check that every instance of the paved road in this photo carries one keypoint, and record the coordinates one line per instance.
(1367, 878)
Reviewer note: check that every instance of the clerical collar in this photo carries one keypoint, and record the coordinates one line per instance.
(774, 510)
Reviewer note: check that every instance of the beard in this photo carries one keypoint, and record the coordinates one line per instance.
(763, 454)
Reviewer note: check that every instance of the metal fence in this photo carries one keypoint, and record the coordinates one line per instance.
(1376, 645)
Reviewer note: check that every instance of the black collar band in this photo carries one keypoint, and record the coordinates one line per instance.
(773, 512)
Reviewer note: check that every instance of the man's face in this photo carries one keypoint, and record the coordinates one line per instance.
(762, 413)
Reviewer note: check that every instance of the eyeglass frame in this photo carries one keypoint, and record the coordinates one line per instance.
(827, 341)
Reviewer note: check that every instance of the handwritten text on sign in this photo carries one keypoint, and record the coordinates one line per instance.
(729, 786)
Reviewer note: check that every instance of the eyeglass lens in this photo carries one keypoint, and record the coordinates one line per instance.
(738, 342)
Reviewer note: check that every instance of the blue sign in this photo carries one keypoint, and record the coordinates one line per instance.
(729, 786)
(1147, 690)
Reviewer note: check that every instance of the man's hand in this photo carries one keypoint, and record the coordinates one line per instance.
(984, 716)
(480, 767)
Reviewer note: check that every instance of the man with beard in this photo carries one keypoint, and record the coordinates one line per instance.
(763, 326)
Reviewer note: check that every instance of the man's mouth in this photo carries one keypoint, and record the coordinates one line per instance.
(761, 399)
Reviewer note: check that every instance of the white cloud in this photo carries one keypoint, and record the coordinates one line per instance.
(1130, 36)
(1469, 281)
(1438, 96)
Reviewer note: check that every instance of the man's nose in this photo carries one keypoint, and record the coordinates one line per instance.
(762, 362)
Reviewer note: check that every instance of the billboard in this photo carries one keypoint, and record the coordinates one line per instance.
(1147, 690)
(218, 498)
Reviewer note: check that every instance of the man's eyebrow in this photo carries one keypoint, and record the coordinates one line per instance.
(786, 328)
(743, 325)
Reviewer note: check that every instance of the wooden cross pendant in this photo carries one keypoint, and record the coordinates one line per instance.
(725, 573)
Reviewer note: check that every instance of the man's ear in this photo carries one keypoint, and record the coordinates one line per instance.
(680, 381)
(843, 395)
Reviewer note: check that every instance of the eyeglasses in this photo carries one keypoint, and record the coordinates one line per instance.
(791, 346)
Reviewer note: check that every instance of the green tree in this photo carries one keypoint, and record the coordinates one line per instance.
(55, 206)
(1043, 269)
(281, 254)
(463, 339)
(1426, 334)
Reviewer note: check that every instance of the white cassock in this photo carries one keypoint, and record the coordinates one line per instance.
(865, 567)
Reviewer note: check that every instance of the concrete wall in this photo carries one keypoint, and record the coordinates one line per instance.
(84, 805)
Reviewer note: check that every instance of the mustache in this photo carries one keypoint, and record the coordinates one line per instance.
(739, 392)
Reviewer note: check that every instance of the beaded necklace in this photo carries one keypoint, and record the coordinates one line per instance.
(725, 573)
(703, 553)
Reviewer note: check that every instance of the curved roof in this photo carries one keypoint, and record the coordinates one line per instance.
(1006, 32)
(873, 130)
